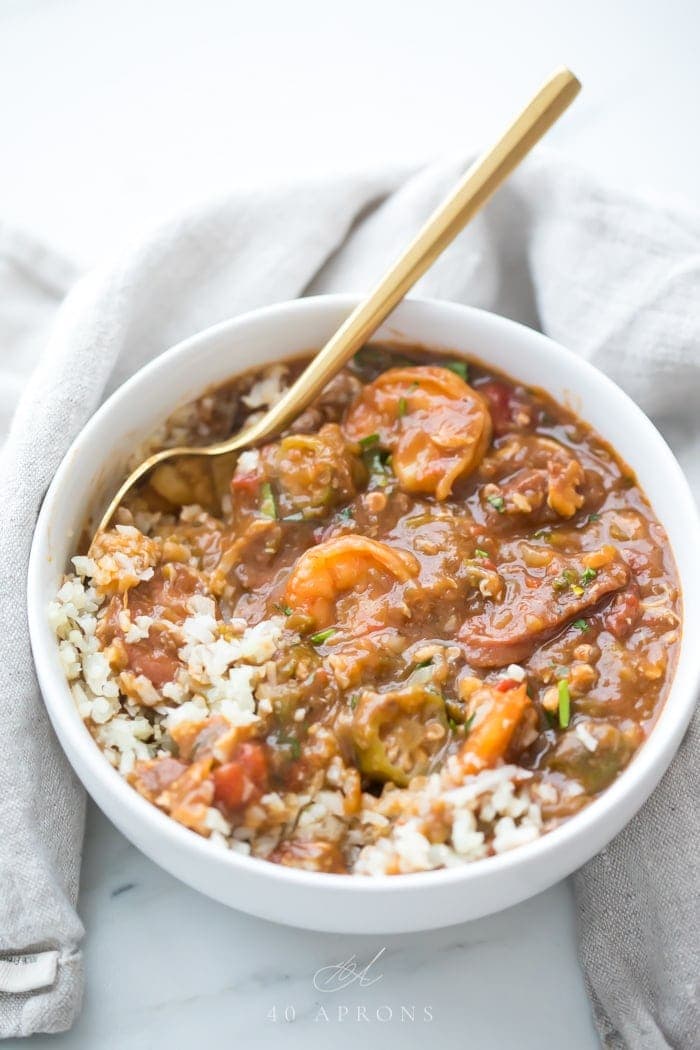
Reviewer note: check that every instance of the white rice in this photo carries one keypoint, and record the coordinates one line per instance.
(502, 797)
(218, 676)
(267, 390)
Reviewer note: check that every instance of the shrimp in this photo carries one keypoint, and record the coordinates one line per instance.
(436, 426)
(498, 714)
(347, 563)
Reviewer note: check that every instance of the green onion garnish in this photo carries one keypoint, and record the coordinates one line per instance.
(423, 663)
(368, 441)
(564, 702)
(587, 575)
(283, 609)
(498, 503)
(378, 463)
(481, 554)
(460, 368)
(346, 514)
(593, 517)
(268, 508)
(581, 625)
(322, 636)
(403, 407)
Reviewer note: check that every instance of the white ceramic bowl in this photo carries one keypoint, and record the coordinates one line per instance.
(345, 903)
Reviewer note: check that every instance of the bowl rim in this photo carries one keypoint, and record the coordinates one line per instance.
(624, 796)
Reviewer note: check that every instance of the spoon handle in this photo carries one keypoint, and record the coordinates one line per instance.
(478, 184)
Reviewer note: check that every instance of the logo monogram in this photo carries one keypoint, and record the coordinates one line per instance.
(341, 975)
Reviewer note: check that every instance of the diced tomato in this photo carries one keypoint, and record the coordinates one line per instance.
(506, 684)
(230, 785)
(244, 779)
(245, 482)
(500, 398)
(254, 761)
(624, 613)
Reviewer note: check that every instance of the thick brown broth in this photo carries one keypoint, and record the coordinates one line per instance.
(436, 548)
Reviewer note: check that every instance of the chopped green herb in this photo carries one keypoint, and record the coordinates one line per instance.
(469, 721)
(568, 580)
(353, 700)
(498, 503)
(268, 507)
(564, 702)
(322, 636)
(403, 407)
(581, 625)
(423, 663)
(481, 554)
(454, 726)
(283, 609)
(346, 514)
(460, 368)
(378, 462)
(292, 743)
(368, 441)
(593, 517)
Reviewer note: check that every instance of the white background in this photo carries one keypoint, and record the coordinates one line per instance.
(116, 113)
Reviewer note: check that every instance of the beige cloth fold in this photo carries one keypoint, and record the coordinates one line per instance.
(611, 277)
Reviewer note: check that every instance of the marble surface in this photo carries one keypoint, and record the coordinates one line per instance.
(167, 967)
(118, 113)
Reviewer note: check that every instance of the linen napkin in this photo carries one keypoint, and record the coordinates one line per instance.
(614, 278)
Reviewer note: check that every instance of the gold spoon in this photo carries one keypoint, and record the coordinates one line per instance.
(481, 180)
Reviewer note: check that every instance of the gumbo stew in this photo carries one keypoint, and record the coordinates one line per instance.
(429, 623)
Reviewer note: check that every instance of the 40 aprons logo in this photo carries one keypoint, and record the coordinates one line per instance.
(341, 975)
(351, 973)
